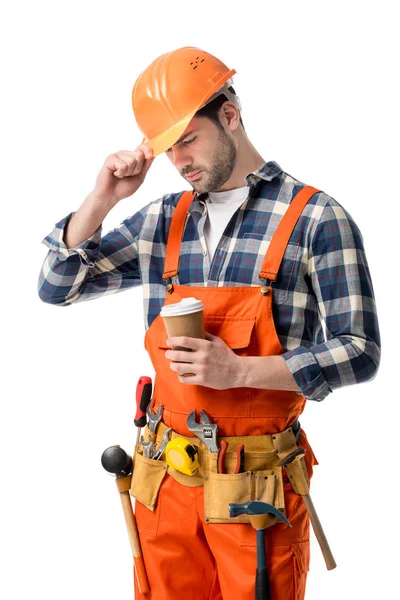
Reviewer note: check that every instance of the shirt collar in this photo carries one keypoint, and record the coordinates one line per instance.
(267, 172)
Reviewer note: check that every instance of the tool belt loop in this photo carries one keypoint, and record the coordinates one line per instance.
(285, 442)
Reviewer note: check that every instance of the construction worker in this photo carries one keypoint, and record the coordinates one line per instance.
(289, 314)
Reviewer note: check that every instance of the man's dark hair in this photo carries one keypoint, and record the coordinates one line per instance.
(211, 110)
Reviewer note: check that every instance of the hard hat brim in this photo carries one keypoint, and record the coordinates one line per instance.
(165, 140)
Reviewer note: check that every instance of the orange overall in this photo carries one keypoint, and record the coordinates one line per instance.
(186, 557)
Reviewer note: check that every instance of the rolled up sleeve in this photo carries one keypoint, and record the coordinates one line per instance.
(88, 250)
(341, 281)
(97, 266)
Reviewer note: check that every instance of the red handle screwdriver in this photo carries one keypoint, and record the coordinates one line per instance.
(144, 389)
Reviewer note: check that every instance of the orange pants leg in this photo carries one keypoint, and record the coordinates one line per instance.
(178, 561)
(287, 549)
(188, 558)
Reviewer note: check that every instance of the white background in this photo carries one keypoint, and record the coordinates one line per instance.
(318, 85)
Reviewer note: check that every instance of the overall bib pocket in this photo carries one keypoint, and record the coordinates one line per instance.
(237, 332)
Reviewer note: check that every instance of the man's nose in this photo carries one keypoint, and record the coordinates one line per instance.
(180, 157)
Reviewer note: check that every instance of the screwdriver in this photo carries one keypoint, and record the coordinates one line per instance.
(144, 389)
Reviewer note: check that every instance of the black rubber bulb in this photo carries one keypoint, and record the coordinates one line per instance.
(115, 460)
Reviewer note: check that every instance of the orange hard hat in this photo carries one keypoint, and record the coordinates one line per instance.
(167, 95)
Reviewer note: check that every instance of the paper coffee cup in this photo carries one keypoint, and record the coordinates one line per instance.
(184, 318)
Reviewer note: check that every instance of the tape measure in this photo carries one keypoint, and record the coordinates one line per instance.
(182, 456)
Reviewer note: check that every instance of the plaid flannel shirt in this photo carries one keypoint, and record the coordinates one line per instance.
(323, 300)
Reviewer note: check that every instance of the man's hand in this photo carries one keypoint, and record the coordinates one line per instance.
(120, 176)
(123, 173)
(211, 361)
(216, 366)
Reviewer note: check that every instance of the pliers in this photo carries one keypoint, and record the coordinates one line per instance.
(221, 457)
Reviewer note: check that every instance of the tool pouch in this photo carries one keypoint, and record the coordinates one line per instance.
(261, 480)
(299, 471)
(298, 476)
(147, 477)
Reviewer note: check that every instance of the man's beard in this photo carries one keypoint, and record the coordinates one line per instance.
(222, 165)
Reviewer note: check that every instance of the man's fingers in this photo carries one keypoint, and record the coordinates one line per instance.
(147, 150)
(142, 148)
(128, 163)
(209, 336)
(146, 166)
(186, 342)
(179, 355)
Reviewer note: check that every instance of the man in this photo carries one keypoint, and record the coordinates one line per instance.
(289, 312)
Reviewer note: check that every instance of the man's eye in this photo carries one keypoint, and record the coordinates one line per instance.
(189, 141)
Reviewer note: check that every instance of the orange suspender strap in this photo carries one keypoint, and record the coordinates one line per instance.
(175, 234)
(276, 249)
(280, 239)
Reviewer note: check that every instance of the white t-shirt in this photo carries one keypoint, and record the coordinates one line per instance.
(220, 208)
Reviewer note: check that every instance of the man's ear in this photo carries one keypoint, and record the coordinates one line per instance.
(229, 114)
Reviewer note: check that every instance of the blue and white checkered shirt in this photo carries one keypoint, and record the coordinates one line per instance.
(323, 301)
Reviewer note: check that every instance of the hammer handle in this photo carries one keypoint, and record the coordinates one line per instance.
(135, 543)
(263, 589)
(319, 533)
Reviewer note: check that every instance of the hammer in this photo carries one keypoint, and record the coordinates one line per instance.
(115, 460)
(295, 466)
(258, 516)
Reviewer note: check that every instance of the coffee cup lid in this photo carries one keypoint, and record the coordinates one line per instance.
(185, 307)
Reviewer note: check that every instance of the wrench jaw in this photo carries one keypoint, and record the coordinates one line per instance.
(191, 422)
(205, 431)
(154, 419)
(205, 419)
(158, 453)
(147, 447)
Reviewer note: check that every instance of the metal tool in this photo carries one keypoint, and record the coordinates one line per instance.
(295, 466)
(258, 516)
(205, 430)
(148, 447)
(157, 453)
(154, 419)
(239, 458)
(221, 457)
(115, 460)
(223, 447)
(143, 396)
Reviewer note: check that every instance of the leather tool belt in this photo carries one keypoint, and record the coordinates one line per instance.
(261, 478)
